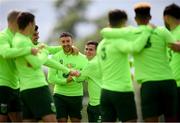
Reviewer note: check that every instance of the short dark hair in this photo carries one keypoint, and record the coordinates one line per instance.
(12, 16)
(116, 17)
(92, 43)
(65, 34)
(172, 10)
(24, 19)
(142, 10)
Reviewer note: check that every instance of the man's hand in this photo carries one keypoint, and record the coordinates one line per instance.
(41, 46)
(152, 25)
(74, 73)
(69, 79)
(175, 47)
(34, 51)
(75, 50)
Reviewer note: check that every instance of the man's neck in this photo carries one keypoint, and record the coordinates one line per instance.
(143, 23)
(68, 52)
(174, 24)
(24, 32)
(11, 28)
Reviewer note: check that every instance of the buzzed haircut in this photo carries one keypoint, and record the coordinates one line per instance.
(142, 10)
(172, 10)
(92, 43)
(12, 16)
(24, 19)
(65, 34)
(117, 17)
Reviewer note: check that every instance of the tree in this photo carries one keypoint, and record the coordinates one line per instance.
(69, 14)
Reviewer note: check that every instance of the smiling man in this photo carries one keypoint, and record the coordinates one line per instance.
(67, 92)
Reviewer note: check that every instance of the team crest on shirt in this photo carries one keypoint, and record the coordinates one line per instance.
(70, 65)
(61, 61)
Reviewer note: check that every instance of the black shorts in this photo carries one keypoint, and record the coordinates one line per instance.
(117, 105)
(68, 106)
(94, 114)
(159, 97)
(178, 109)
(9, 100)
(37, 102)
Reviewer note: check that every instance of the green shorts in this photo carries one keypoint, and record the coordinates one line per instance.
(9, 100)
(68, 106)
(37, 102)
(159, 97)
(117, 105)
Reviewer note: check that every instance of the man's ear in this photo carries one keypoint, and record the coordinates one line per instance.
(165, 17)
(150, 17)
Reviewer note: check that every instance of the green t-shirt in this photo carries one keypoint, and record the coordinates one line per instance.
(51, 49)
(29, 66)
(91, 73)
(56, 77)
(113, 56)
(8, 71)
(136, 37)
(152, 64)
(54, 49)
(175, 60)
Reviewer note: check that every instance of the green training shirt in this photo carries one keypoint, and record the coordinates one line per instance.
(8, 71)
(29, 67)
(152, 64)
(128, 34)
(56, 77)
(91, 73)
(54, 49)
(113, 56)
(175, 60)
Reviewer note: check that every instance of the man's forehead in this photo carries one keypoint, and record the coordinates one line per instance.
(67, 37)
(90, 45)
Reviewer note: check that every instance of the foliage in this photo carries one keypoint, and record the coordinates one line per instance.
(71, 13)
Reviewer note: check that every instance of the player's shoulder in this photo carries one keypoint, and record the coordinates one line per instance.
(4, 34)
(59, 53)
(81, 55)
(161, 28)
(163, 31)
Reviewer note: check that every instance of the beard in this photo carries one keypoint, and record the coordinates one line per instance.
(167, 25)
(67, 48)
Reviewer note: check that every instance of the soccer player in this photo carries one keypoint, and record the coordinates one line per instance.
(91, 74)
(172, 22)
(51, 49)
(67, 93)
(10, 103)
(152, 71)
(117, 95)
(32, 80)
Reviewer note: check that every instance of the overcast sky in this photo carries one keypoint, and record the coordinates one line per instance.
(46, 16)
